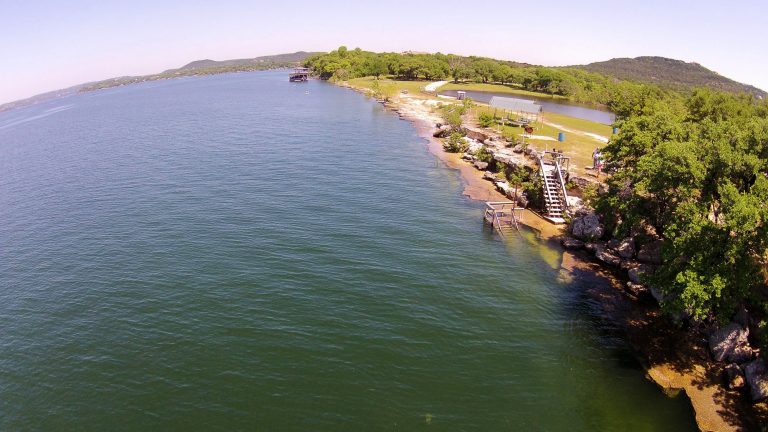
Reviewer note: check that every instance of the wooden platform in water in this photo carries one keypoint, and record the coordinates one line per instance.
(503, 215)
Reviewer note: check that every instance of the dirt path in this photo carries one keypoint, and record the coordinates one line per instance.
(594, 136)
(435, 85)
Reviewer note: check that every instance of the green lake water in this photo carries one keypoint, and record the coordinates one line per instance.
(237, 252)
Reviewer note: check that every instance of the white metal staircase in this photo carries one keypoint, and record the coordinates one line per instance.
(555, 194)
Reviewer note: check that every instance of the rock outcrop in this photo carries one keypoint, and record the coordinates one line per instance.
(587, 227)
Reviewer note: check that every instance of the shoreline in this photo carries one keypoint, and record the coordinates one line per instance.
(670, 359)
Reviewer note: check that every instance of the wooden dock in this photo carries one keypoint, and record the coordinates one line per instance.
(503, 215)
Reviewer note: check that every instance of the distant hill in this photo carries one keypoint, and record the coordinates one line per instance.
(198, 67)
(41, 97)
(297, 57)
(669, 72)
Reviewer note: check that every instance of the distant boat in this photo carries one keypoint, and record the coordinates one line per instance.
(299, 75)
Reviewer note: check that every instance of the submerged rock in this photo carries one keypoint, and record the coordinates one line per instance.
(730, 344)
(757, 379)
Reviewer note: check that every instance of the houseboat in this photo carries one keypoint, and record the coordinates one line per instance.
(299, 75)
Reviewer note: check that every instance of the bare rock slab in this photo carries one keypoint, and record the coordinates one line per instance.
(730, 344)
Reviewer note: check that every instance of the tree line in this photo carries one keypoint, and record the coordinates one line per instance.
(576, 84)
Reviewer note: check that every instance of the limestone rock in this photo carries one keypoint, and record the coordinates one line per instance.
(587, 227)
(580, 182)
(442, 131)
(626, 248)
(572, 243)
(636, 273)
(650, 253)
(608, 257)
(489, 176)
(518, 148)
(734, 376)
(481, 165)
(473, 146)
(730, 344)
(657, 294)
(636, 288)
(522, 199)
(757, 379)
(594, 247)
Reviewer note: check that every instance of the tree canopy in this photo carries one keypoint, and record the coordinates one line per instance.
(577, 84)
(695, 172)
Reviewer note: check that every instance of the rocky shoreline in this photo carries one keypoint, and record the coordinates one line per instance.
(717, 381)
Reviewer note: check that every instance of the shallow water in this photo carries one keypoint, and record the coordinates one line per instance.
(238, 252)
(559, 106)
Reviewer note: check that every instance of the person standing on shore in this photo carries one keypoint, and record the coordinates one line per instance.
(599, 163)
(595, 156)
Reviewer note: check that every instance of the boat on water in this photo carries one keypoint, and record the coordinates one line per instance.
(299, 75)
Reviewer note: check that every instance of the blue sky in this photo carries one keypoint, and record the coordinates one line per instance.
(46, 45)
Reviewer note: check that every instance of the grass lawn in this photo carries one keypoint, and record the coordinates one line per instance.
(579, 124)
(412, 86)
(578, 147)
(497, 88)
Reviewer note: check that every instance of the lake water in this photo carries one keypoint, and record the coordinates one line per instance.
(559, 106)
(237, 252)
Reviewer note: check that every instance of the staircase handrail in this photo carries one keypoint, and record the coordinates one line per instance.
(562, 182)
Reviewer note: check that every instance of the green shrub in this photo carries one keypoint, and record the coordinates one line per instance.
(455, 143)
(486, 120)
(484, 155)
